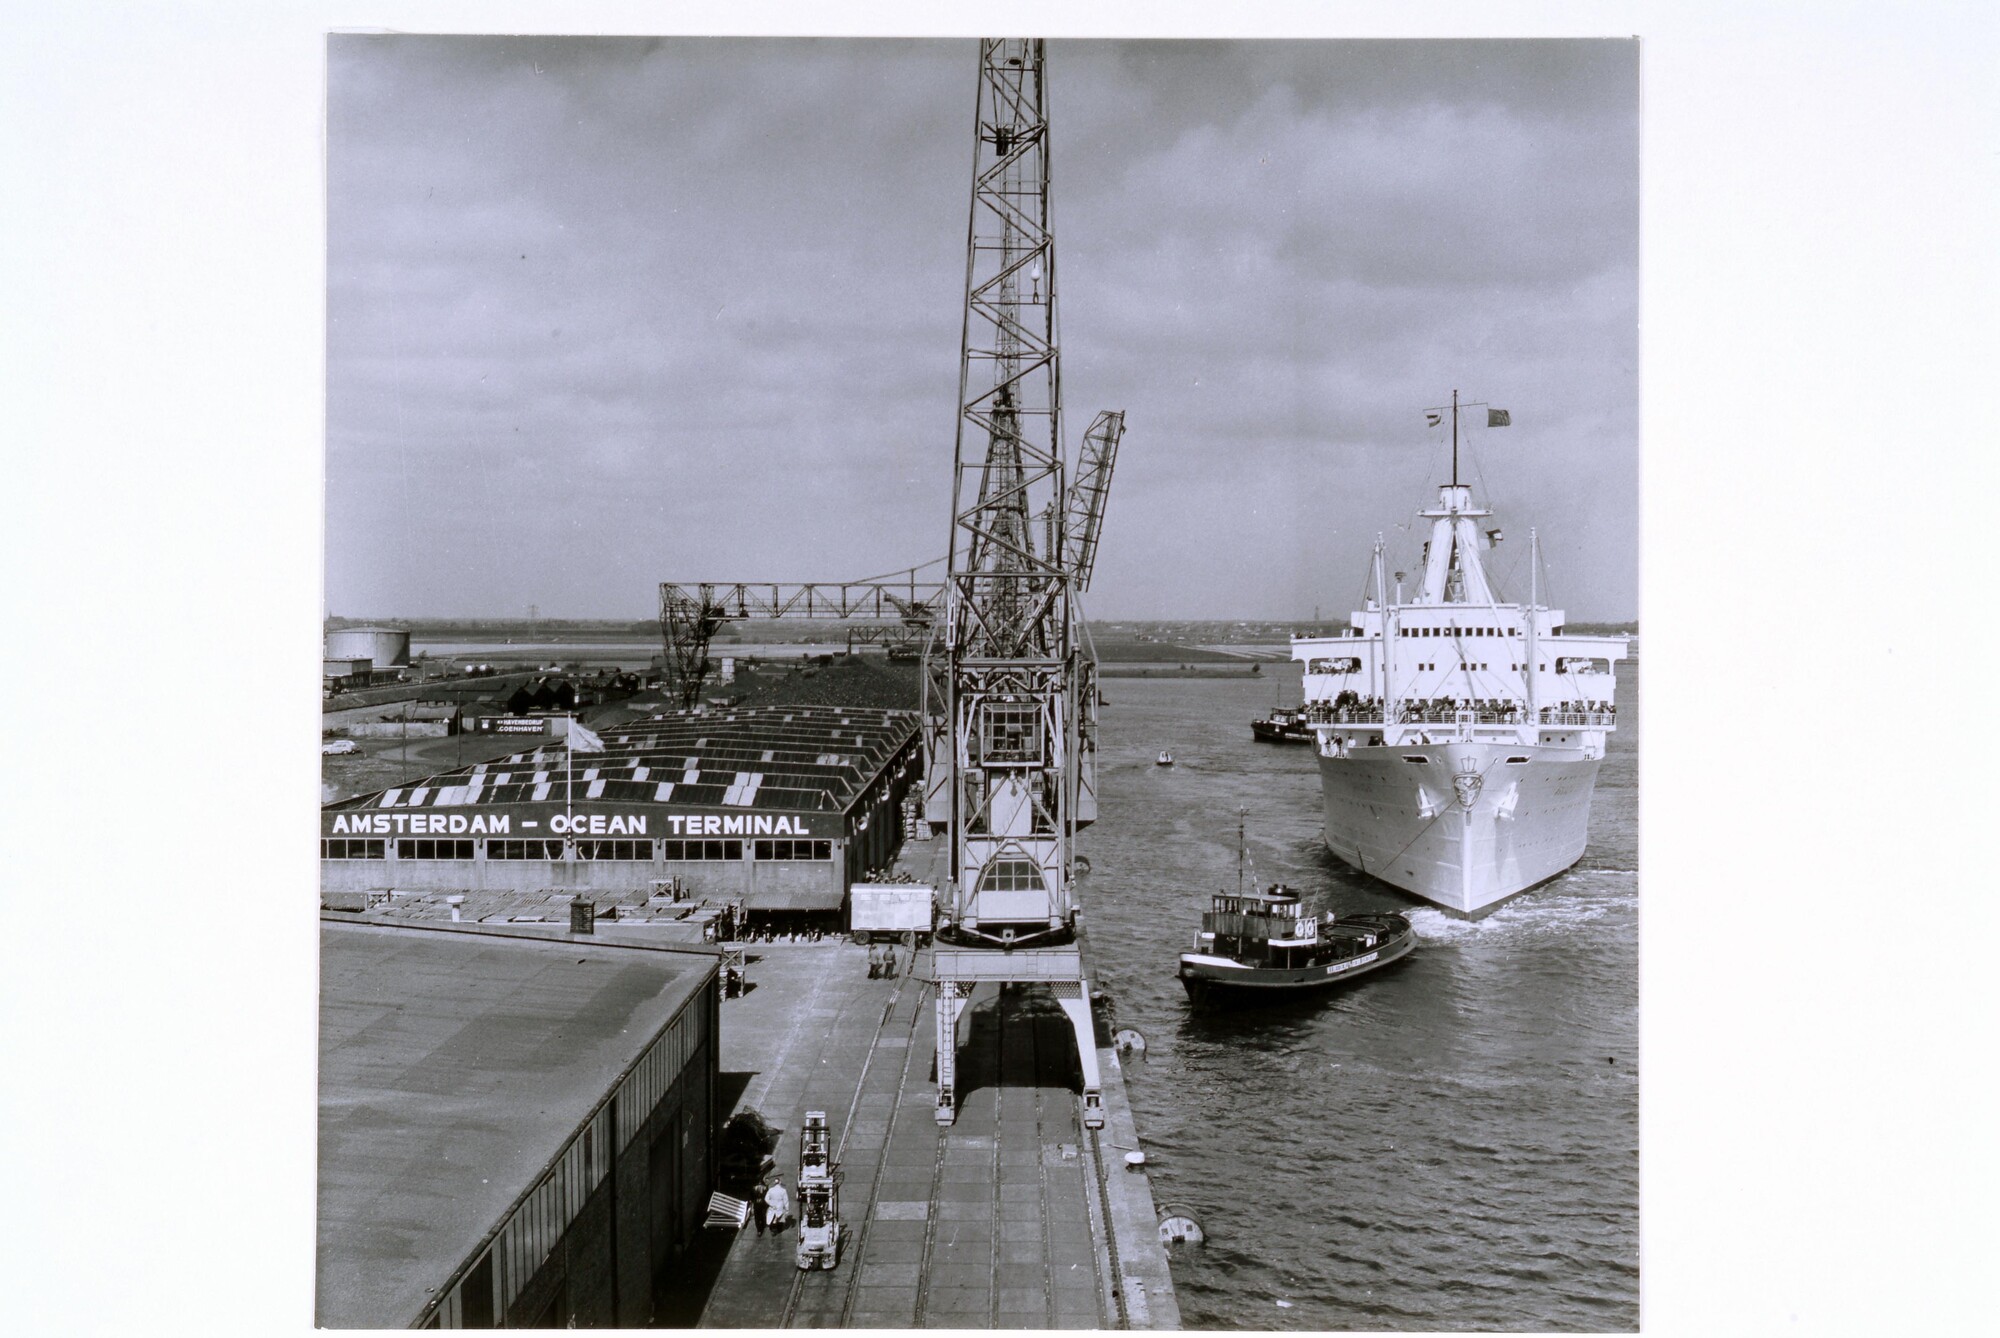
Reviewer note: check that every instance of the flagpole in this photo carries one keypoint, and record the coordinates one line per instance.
(569, 768)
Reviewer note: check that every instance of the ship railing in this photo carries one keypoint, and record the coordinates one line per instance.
(1594, 719)
(1413, 714)
(1447, 715)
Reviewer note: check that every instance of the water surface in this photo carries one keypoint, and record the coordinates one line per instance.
(1452, 1143)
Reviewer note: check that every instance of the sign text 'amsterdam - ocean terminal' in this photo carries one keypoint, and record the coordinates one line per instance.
(562, 824)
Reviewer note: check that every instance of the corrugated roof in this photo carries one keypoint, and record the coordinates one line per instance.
(753, 759)
(453, 1066)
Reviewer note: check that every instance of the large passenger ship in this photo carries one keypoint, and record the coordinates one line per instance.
(1459, 735)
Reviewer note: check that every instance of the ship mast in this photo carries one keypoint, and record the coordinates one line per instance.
(1454, 438)
(1534, 562)
(1382, 603)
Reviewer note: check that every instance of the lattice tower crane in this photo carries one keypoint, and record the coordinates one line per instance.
(1010, 691)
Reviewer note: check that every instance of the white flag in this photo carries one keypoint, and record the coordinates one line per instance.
(582, 740)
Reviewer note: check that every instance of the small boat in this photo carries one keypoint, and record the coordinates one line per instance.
(1285, 724)
(1262, 947)
(1166, 759)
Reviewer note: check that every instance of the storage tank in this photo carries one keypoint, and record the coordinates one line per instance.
(388, 647)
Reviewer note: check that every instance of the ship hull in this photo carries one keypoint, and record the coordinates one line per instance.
(1463, 846)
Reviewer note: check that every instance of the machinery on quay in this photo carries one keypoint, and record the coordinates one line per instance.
(1010, 684)
(819, 1195)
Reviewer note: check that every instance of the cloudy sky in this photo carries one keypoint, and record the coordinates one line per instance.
(604, 312)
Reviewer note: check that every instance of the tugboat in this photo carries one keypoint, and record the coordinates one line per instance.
(1285, 724)
(1261, 946)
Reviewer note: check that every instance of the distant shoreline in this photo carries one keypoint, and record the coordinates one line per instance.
(1164, 635)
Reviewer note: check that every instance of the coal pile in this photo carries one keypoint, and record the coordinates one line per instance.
(837, 680)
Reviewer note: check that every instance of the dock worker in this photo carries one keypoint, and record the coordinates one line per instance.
(757, 1205)
(777, 1204)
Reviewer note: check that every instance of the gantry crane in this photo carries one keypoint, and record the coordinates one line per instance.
(1010, 692)
(691, 612)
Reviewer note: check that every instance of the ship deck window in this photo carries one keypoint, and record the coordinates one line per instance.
(1420, 761)
(1516, 761)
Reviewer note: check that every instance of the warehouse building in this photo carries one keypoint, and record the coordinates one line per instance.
(780, 807)
(514, 1131)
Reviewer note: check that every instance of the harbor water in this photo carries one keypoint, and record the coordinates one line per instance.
(1450, 1144)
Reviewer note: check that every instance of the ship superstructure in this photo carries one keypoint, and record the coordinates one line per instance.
(1459, 735)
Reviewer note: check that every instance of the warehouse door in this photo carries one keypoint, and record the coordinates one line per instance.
(663, 1172)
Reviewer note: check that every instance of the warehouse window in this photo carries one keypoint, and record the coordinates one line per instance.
(524, 849)
(794, 850)
(429, 849)
(693, 850)
(339, 847)
(614, 850)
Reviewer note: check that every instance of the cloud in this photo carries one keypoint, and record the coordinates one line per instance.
(608, 311)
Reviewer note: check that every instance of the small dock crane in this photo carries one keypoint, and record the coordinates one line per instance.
(819, 1195)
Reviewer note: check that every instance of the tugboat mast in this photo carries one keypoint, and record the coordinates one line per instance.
(1239, 849)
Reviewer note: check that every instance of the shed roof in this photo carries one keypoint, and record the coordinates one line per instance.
(454, 1064)
(758, 759)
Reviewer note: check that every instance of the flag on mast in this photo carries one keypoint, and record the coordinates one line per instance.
(1499, 418)
(1433, 419)
(582, 740)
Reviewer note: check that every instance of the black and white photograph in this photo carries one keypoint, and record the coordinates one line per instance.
(982, 669)
(725, 441)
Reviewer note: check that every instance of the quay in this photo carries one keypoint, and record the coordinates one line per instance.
(1015, 1216)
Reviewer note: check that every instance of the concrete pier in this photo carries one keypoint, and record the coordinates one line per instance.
(1013, 1217)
